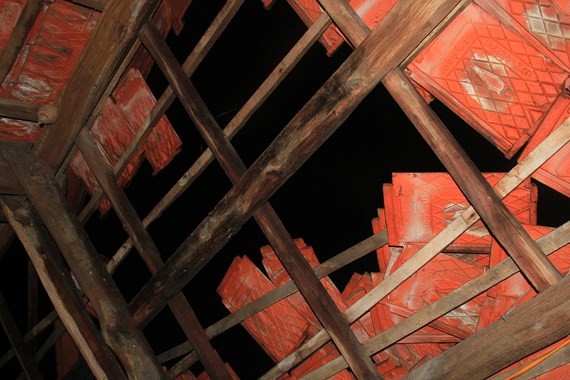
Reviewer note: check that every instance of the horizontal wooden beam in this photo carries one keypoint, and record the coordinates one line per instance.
(43, 114)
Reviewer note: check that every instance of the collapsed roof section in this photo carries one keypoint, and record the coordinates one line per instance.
(75, 104)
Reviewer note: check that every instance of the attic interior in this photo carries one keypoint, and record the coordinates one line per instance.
(129, 251)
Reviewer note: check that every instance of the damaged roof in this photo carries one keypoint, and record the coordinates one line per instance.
(396, 205)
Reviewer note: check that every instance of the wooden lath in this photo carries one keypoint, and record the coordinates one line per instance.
(32, 189)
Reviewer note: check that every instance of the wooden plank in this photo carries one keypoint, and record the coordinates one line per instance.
(98, 5)
(457, 297)
(119, 329)
(10, 327)
(151, 256)
(58, 284)
(324, 269)
(18, 37)
(549, 146)
(32, 282)
(110, 41)
(407, 24)
(537, 323)
(278, 74)
(293, 261)
(498, 219)
(203, 46)
(9, 184)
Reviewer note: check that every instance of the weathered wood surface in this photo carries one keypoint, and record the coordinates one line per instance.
(555, 141)
(293, 261)
(407, 23)
(17, 110)
(31, 10)
(98, 5)
(537, 323)
(457, 297)
(117, 325)
(150, 254)
(60, 288)
(27, 362)
(110, 41)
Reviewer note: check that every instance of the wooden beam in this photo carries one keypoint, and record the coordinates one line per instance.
(151, 256)
(110, 41)
(454, 299)
(537, 323)
(292, 259)
(118, 327)
(18, 36)
(60, 288)
(278, 74)
(504, 226)
(10, 327)
(407, 24)
(203, 46)
(498, 219)
(548, 147)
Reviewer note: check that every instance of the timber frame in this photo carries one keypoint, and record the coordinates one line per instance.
(53, 234)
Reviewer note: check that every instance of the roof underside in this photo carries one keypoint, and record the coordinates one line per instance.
(414, 153)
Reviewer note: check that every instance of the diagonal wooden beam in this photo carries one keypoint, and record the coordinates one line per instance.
(500, 221)
(149, 252)
(293, 261)
(118, 327)
(110, 41)
(407, 24)
(18, 37)
(59, 286)
(10, 327)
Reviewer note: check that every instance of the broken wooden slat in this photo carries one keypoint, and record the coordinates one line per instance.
(407, 23)
(457, 297)
(10, 327)
(109, 43)
(59, 287)
(18, 37)
(500, 221)
(150, 254)
(537, 323)
(273, 228)
(510, 181)
(119, 329)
